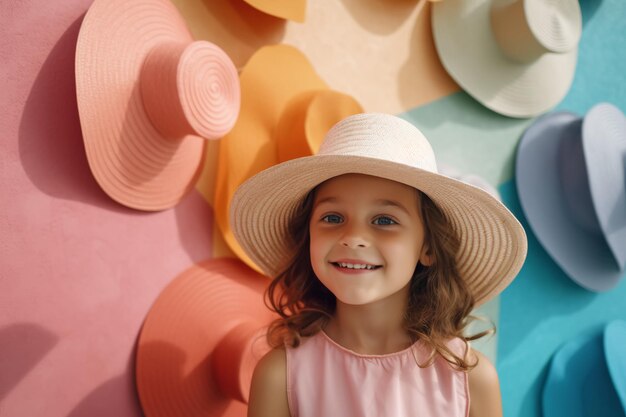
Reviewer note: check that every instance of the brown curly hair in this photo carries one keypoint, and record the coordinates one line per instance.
(439, 304)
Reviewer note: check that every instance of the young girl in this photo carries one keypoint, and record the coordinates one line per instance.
(377, 263)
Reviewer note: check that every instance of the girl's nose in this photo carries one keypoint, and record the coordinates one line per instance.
(354, 237)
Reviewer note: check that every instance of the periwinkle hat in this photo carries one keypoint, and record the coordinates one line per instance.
(516, 57)
(148, 98)
(587, 375)
(570, 176)
(493, 243)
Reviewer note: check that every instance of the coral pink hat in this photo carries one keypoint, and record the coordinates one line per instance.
(148, 96)
(201, 342)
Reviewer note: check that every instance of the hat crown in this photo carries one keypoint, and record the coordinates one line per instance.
(575, 179)
(190, 88)
(380, 136)
(307, 118)
(527, 29)
(592, 165)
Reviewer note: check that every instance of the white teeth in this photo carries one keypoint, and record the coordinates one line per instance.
(355, 266)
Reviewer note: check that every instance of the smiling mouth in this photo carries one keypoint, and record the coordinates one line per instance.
(346, 265)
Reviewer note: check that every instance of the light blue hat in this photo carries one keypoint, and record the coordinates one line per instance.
(571, 181)
(587, 376)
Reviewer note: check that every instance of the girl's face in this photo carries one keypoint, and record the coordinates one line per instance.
(367, 237)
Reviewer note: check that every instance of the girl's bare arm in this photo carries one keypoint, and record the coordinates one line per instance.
(268, 392)
(484, 387)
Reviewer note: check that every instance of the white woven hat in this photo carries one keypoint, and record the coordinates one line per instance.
(516, 57)
(493, 243)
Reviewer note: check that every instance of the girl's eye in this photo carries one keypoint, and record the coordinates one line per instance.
(332, 218)
(384, 221)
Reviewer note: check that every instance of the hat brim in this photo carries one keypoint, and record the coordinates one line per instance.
(584, 256)
(470, 54)
(272, 77)
(615, 353)
(604, 143)
(285, 9)
(578, 382)
(128, 157)
(182, 331)
(493, 243)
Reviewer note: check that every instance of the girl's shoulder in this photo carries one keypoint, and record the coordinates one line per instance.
(268, 390)
(272, 361)
(484, 386)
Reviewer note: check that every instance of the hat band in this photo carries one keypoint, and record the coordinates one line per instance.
(575, 180)
(190, 88)
(526, 29)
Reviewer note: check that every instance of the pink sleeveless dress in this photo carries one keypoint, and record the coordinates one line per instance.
(325, 379)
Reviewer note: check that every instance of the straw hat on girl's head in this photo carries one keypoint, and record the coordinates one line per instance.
(571, 180)
(516, 57)
(493, 243)
(148, 97)
(286, 109)
(201, 341)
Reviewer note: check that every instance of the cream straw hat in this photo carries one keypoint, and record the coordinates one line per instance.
(516, 57)
(493, 243)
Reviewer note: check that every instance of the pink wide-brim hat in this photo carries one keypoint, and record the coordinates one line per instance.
(201, 341)
(148, 97)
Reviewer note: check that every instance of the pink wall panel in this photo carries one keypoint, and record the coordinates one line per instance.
(78, 272)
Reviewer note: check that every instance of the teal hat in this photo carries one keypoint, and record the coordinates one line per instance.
(615, 353)
(587, 376)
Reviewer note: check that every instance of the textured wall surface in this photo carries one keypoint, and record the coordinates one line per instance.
(78, 272)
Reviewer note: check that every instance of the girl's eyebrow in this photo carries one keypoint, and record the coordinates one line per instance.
(326, 200)
(392, 203)
(380, 202)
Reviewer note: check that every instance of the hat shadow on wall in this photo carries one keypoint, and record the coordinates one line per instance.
(115, 397)
(588, 8)
(53, 155)
(551, 295)
(238, 28)
(529, 405)
(418, 75)
(544, 279)
(50, 140)
(22, 346)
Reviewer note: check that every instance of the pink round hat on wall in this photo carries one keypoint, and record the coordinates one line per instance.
(201, 341)
(148, 97)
